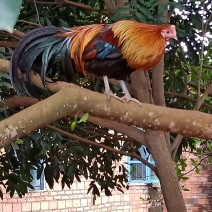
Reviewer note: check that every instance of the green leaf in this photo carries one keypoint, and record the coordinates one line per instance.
(145, 12)
(12, 191)
(185, 178)
(73, 125)
(8, 85)
(6, 76)
(1, 194)
(121, 17)
(178, 5)
(30, 186)
(197, 170)
(84, 118)
(140, 17)
(210, 159)
(9, 14)
(150, 3)
(4, 108)
(186, 189)
(181, 33)
(19, 141)
(196, 21)
(162, 8)
(71, 170)
(124, 9)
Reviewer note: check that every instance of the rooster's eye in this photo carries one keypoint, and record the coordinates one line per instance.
(167, 32)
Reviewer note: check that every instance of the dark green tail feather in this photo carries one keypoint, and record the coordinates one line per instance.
(40, 50)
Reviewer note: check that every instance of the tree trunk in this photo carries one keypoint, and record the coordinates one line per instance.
(159, 150)
(166, 170)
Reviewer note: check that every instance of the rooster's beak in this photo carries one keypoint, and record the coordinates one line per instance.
(175, 38)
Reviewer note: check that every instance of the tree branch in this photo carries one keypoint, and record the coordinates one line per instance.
(200, 102)
(9, 44)
(72, 100)
(67, 2)
(130, 131)
(100, 145)
(18, 101)
(110, 4)
(183, 96)
(30, 23)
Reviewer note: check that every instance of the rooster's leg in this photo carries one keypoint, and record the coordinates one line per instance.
(127, 95)
(107, 89)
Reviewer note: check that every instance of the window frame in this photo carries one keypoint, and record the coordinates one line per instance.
(148, 172)
(41, 186)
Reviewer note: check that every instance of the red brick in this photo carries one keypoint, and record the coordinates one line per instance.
(53, 205)
(26, 207)
(49, 197)
(17, 207)
(44, 205)
(23, 199)
(35, 206)
(7, 207)
(69, 203)
(35, 194)
(61, 204)
(203, 201)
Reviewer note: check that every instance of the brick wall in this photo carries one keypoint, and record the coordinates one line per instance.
(199, 198)
(77, 199)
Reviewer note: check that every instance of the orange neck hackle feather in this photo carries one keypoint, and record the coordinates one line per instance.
(142, 45)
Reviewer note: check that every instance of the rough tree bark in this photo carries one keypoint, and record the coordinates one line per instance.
(160, 151)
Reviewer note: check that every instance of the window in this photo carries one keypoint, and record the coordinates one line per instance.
(38, 184)
(140, 173)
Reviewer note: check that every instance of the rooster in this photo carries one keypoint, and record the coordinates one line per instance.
(104, 50)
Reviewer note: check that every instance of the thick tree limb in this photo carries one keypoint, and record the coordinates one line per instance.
(184, 122)
(73, 100)
(130, 131)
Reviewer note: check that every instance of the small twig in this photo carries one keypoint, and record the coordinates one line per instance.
(208, 90)
(175, 145)
(196, 165)
(129, 131)
(183, 96)
(185, 82)
(38, 17)
(110, 4)
(7, 34)
(28, 22)
(201, 60)
(76, 4)
(207, 66)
